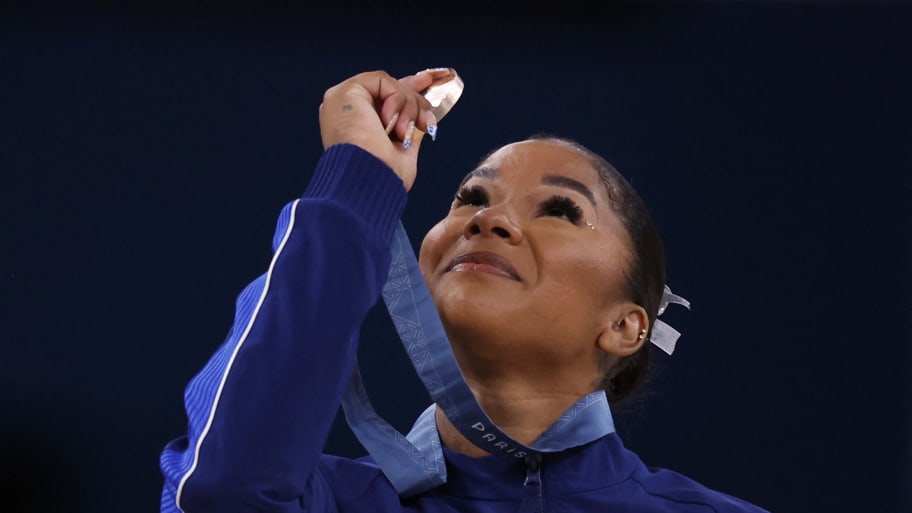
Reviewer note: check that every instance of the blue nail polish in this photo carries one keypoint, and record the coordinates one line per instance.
(432, 131)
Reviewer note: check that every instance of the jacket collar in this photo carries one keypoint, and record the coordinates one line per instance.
(598, 464)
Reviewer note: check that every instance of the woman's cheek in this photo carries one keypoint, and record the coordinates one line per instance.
(431, 249)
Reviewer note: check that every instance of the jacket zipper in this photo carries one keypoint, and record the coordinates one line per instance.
(533, 495)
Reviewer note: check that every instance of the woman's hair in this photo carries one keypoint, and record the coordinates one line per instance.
(645, 273)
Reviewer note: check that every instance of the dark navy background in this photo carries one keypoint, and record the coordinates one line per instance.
(146, 151)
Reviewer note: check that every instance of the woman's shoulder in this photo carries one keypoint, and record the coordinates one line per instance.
(668, 485)
(352, 484)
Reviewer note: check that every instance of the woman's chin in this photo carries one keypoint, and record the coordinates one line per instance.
(474, 314)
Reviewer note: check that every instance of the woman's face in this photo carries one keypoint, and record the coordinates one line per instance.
(529, 257)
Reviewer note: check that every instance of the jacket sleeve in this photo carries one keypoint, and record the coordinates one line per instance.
(260, 410)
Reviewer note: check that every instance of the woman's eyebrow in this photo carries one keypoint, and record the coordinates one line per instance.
(481, 172)
(570, 183)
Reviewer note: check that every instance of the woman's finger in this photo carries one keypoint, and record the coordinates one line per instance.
(404, 111)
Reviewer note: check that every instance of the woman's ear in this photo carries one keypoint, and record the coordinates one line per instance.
(625, 331)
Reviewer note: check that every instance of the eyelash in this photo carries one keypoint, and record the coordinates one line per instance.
(557, 206)
(562, 206)
(471, 196)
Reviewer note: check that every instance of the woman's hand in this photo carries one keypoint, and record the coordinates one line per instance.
(384, 116)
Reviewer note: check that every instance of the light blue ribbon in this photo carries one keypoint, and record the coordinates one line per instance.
(415, 463)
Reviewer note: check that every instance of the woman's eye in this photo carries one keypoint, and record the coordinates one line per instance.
(471, 196)
(563, 207)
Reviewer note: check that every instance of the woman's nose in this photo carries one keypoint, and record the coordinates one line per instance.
(493, 221)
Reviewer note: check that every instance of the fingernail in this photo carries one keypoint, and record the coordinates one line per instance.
(392, 123)
(408, 135)
(432, 125)
(431, 70)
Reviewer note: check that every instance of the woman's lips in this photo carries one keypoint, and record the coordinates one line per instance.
(484, 262)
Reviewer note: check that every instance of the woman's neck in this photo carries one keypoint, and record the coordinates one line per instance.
(522, 412)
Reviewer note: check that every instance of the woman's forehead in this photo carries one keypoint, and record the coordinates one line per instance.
(537, 158)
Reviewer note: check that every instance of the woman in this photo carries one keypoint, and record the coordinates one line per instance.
(547, 275)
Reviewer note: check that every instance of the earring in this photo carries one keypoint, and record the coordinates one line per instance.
(590, 225)
(642, 334)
